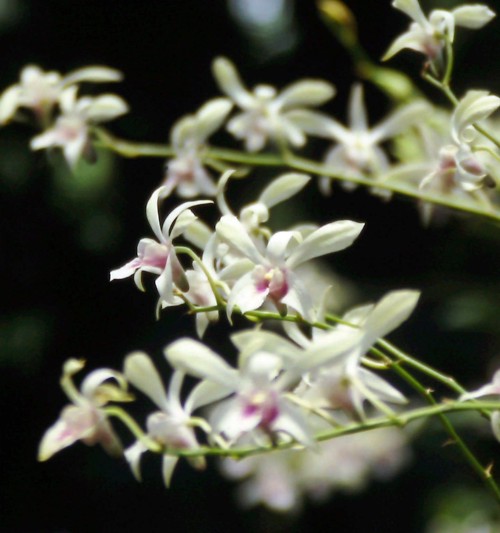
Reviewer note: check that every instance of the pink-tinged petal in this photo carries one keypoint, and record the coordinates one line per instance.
(106, 437)
(196, 359)
(233, 419)
(178, 274)
(74, 424)
(325, 240)
(126, 270)
(246, 294)
(291, 422)
(298, 297)
(142, 374)
(165, 285)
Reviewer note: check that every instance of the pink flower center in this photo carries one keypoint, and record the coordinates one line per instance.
(272, 279)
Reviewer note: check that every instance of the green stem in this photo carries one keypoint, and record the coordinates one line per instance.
(403, 419)
(293, 162)
(134, 428)
(483, 473)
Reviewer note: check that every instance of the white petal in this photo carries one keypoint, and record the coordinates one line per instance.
(177, 211)
(9, 102)
(211, 116)
(318, 124)
(306, 92)
(400, 120)
(133, 456)
(472, 16)
(381, 387)
(95, 74)
(91, 384)
(198, 360)
(231, 230)
(358, 120)
(412, 9)
(291, 422)
(245, 295)
(325, 240)
(106, 107)
(230, 83)
(392, 310)
(475, 106)
(167, 468)
(411, 39)
(205, 393)
(142, 374)
(298, 297)
(332, 347)
(283, 188)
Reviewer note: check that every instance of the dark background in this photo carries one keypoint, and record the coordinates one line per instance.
(60, 237)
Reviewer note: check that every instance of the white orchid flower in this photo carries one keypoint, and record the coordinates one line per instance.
(185, 172)
(337, 380)
(172, 425)
(269, 276)
(428, 35)
(265, 112)
(358, 152)
(257, 389)
(40, 91)
(159, 257)
(84, 419)
(72, 128)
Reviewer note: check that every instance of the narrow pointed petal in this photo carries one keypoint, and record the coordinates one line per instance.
(211, 116)
(412, 9)
(325, 240)
(283, 188)
(142, 374)
(169, 221)
(400, 120)
(133, 456)
(358, 120)
(318, 124)
(232, 231)
(306, 92)
(196, 359)
(391, 311)
(229, 82)
(167, 469)
(94, 74)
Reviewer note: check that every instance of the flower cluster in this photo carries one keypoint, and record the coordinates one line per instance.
(316, 375)
(53, 101)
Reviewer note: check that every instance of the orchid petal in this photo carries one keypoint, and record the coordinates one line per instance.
(142, 374)
(196, 359)
(325, 240)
